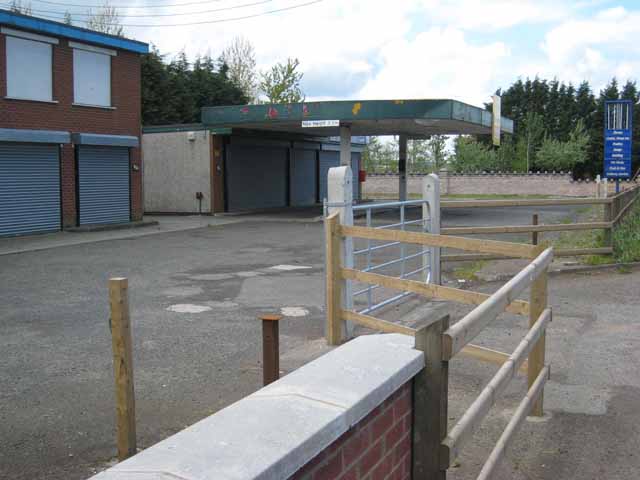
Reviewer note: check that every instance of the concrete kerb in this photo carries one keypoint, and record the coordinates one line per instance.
(280, 428)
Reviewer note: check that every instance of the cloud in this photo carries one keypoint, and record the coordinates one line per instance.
(438, 63)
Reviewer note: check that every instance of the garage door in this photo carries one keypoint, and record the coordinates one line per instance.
(256, 177)
(29, 188)
(103, 184)
(329, 160)
(303, 177)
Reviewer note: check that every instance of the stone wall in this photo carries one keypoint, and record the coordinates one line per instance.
(560, 184)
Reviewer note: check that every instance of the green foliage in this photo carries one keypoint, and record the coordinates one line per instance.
(626, 237)
(548, 110)
(67, 18)
(437, 153)
(472, 156)
(558, 155)
(176, 92)
(281, 84)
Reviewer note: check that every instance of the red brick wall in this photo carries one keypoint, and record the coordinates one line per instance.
(377, 448)
(123, 120)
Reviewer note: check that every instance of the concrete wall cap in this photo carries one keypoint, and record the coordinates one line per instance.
(280, 428)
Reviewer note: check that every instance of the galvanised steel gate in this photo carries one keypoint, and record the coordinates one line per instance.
(393, 258)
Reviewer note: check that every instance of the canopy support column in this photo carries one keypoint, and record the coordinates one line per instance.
(402, 168)
(345, 145)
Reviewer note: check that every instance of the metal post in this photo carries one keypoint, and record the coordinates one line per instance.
(122, 367)
(402, 167)
(270, 348)
(534, 235)
(431, 210)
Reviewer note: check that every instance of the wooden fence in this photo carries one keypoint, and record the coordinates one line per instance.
(434, 446)
(614, 210)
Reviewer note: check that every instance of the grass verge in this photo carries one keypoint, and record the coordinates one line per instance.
(626, 237)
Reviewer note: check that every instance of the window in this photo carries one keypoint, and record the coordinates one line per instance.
(29, 69)
(91, 75)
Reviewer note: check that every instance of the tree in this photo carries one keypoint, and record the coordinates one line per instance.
(240, 58)
(558, 155)
(281, 84)
(106, 20)
(472, 156)
(437, 151)
(532, 137)
(67, 18)
(418, 157)
(177, 91)
(17, 6)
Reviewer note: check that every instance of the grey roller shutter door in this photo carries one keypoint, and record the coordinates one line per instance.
(328, 160)
(29, 188)
(256, 177)
(103, 184)
(303, 177)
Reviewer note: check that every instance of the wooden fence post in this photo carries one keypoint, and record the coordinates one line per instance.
(270, 348)
(537, 304)
(333, 281)
(430, 403)
(608, 217)
(534, 235)
(123, 367)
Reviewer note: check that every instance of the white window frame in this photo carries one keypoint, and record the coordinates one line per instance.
(96, 50)
(33, 37)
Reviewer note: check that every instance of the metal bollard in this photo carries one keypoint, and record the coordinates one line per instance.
(270, 348)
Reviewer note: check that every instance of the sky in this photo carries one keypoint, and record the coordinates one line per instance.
(400, 49)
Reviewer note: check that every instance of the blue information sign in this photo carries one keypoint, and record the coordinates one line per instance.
(618, 124)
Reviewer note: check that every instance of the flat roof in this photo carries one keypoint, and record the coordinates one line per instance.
(58, 29)
(414, 118)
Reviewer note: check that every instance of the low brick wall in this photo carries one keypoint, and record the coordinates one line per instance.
(560, 184)
(344, 416)
(379, 446)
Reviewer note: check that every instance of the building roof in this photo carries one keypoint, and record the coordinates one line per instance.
(58, 29)
(414, 118)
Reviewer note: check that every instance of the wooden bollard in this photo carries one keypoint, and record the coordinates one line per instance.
(270, 348)
(122, 367)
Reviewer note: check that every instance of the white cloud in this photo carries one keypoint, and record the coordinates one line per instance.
(439, 63)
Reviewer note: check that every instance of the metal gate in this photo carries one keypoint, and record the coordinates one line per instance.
(396, 259)
(29, 188)
(103, 184)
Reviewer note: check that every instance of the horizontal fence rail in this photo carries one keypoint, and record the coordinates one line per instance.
(461, 333)
(474, 415)
(434, 447)
(615, 208)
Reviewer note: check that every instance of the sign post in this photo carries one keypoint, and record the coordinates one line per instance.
(618, 124)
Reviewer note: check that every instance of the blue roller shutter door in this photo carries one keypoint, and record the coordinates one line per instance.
(29, 188)
(103, 184)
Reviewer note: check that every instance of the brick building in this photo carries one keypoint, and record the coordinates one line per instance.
(69, 126)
